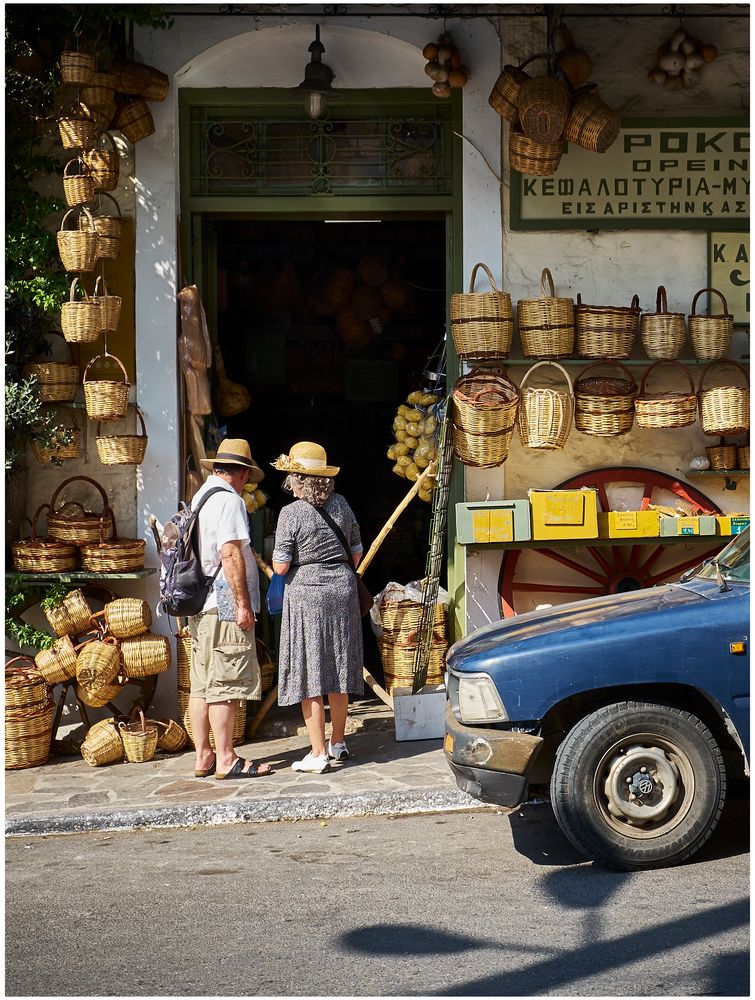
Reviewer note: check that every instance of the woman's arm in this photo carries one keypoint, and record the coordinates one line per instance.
(281, 567)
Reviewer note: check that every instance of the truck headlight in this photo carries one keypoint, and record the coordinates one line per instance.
(478, 699)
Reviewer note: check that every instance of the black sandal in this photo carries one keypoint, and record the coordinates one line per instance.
(238, 770)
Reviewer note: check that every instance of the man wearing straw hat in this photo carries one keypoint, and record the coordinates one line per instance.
(224, 665)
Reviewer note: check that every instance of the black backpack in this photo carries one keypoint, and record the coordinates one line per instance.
(184, 586)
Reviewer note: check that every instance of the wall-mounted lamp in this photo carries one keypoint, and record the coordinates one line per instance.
(315, 87)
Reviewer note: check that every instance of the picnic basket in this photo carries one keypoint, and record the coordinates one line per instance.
(43, 555)
(591, 124)
(666, 410)
(724, 409)
(111, 554)
(482, 323)
(108, 228)
(106, 399)
(662, 333)
(103, 743)
(504, 97)
(139, 739)
(58, 663)
(710, 335)
(546, 324)
(71, 616)
(123, 449)
(543, 107)
(57, 381)
(483, 413)
(29, 711)
(605, 331)
(78, 528)
(604, 405)
(104, 164)
(78, 248)
(723, 456)
(80, 318)
(109, 306)
(77, 126)
(46, 454)
(539, 159)
(78, 187)
(545, 414)
(144, 655)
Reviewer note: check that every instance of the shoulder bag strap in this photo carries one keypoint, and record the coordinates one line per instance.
(338, 533)
(196, 510)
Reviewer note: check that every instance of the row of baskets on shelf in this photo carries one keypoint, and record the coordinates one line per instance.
(104, 398)
(482, 325)
(486, 405)
(112, 449)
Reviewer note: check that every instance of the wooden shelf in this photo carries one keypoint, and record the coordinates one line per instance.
(727, 473)
(76, 576)
(583, 362)
(579, 543)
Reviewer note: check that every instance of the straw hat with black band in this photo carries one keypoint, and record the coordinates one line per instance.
(306, 459)
(235, 451)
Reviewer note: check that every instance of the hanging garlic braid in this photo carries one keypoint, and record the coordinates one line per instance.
(314, 489)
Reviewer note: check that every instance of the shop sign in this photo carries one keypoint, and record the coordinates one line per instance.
(729, 271)
(658, 174)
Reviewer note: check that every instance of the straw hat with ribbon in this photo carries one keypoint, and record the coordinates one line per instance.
(306, 458)
(235, 451)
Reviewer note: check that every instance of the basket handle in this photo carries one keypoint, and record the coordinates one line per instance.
(21, 670)
(142, 720)
(97, 358)
(547, 275)
(72, 295)
(139, 415)
(101, 278)
(81, 173)
(540, 55)
(81, 209)
(35, 518)
(661, 302)
(484, 366)
(635, 303)
(715, 291)
(65, 409)
(474, 274)
(608, 361)
(722, 363)
(58, 333)
(85, 479)
(101, 193)
(111, 514)
(667, 361)
(551, 364)
(485, 392)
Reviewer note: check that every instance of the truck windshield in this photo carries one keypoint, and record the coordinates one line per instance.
(733, 562)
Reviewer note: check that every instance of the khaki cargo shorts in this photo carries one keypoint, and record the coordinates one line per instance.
(224, 662)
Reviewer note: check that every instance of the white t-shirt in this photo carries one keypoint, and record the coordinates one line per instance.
(224, 519)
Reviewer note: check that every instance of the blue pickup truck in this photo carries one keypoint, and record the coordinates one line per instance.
(631, 711)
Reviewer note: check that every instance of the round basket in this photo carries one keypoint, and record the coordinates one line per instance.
(109, 306)
(77, 127)
(98, 663)
(99, 92)
(78, 528)
(537, 159)
(98, 695)
(78, 187)
(57, 381)
(504, 97)
(78, 247)
(666, 410)
(743, 457)
(103, 743)
(662, 333)
(134, 121)
(80, 318)
(118, 555)
(482, 323)
(545, 414)
(592, 124)
(28, 734)
(71, 616)
(48, 454)
(123, 449)
(158, 86)
(108, 228)
(543, 107)
(723, 456)
(398, 664)
(483, 413)
(76, 67)
(126, 617)
(139, 740)
(710, 335)
(171, 737)
(546, 325)
(130, 77)
(24, 685)
(724, 409)
(606, 331)
(145, 655)
(603, 405)
(58, 663)
(104, 165)
(106, 399)
(400, 621)
(43, 555)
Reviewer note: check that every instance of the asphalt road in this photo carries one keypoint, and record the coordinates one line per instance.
(448, 905)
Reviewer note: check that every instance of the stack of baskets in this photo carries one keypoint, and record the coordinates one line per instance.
(29, 711)
(112, 739)
(183, 676)
(400, 621)
(483, 413)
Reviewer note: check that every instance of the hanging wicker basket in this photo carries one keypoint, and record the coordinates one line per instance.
(171, 737)
(504, 97)
(47, 454)
(104, 164)
(106, 399)
(482, 323)
(723, 456)
(134, 121)
(483, 413)
(99, 93)
(536, 159)
(546, 325)
(126, 617)
(109, 306)
(24, 684)
(606, 331)
(77, 127)
(724, 409)
(116, 555)
(123, 449)
(77, 67)
(43, 555)
(57, 381)
(592, 124)
(139, 740)
(710, 335)
(71, 616)
(78, 247)
(158, 86)
(543, 108)
(103, 743)
(58, 663)
(108, 229)
(662, 333)
(80, 319)
(604, 405)
(145, 655)
(130, 77)
(666, 410)
(28, 727)
(78, 187)
(545, 414)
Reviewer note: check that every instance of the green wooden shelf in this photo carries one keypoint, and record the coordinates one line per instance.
(77, 576)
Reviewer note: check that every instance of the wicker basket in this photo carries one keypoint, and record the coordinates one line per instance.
(58, 663)
(592, 124)
(78, 247)
(145, 655)
(104, 165)
(266, 665)
(108, 228)
(139, 740)
(98, 695)
(78, 528)
(171, 737)
(400, 621)
(57, 381)
(106, 399)
(130, 77)
(183, 678)
(662, 333)
(47, 454)
(77, 127)
(80, 318)
(28, 734)
(24, 685)
(546, 325)
(504, 97)
(103, 743)
(723, 456)
(710, 335)
(99, 92)
(603, 405)
(134, 121)
(724, 409)
(70, 617)
(545, 414)
(398, 664)
(606, 331)
(98, 663)
(158, 86)
(126, 617)
(543, 108)
(43, 555)
(482, 323)
(116, 555)
(109, 306)
(743, 457)
(123, 449)
(78, 188)
(76, 67)
(537, 159)
(666, 410)
(483, 413)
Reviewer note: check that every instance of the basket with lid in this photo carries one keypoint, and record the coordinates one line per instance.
(111, 554)
(545, 413)
(591, 124)
(57, 381)
(604, 404)
(482, 323)
(73, 522)
(483, 413)
(538, 159)
(666, 410)
(543, 107)
(504, 97)
(78, 183)
(710, 335)
(606, 331)
(134, 120)
(78, 248)
(106, 399)
(57, 451)
(104, 164)
(662, 333)
(546, 324)
(43, 555)
(109, 306)
(723, 456)
(123, 449)
(139, 739)
(70, 616)
(108, 227)
(724, 409)
(77, 127)
(80, 319)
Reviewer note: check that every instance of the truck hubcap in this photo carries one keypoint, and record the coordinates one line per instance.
(642, 783)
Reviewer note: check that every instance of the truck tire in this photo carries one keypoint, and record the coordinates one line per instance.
(638, 785)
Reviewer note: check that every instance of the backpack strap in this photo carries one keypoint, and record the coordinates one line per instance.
(195, 510)
(338, 533)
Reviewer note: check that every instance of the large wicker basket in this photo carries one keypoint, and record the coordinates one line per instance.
(139, 739)
(28, 731)
(78, 186)
(666, 410)
(83, 527)
(55, 452)
(482, 323)
(130, 76)
(546, 324)
(108, 228)
(24, 684)
(606, 331)
(72, 616)
(543, 108)
(398, 664)
(98, 662)
(43, 555)
(504, 97)
(57, 381)
(109, 306)
(122, 449)
(104, 164)
(111, 554)
(724, 409)
(106, 399)
(545, 414)
(183, 678)
(710, 335)
(604, 405)
(126, 617)
(103, 743)
(591, 123)
(58, 663)
(145, 655)
(483, 414)
(80, 318)
(78, 247)
(134, 120)
(662, 333)
(537, 159)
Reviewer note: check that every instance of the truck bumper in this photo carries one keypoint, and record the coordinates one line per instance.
(492, 765)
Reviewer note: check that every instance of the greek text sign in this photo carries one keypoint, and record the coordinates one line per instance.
(659, 174)
(729, 271)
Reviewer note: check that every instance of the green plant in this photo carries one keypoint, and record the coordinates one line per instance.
(18, 597)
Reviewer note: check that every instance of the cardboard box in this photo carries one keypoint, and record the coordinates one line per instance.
(486, 521)
(629, 524)
(732, 524)
(420, 716)
(702, 525)
(564, 513)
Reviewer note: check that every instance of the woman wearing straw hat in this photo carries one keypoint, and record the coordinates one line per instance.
(321, 630)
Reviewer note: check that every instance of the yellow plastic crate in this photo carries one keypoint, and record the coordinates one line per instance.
(731, 524)
(629, 524)
(564, 513)
(703, 525)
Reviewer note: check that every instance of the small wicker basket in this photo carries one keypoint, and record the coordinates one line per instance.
(662, 333)
(605, 331)
(106, 399)
(70, 617)
(78, 248)
(171, 737)
(116, 555)
(57, 381)
(545, 414)
(546, 324)
(123, 449)
(78, 188)
(77, 67)
(537, 159)
(543, 108)
(104, 164)
(723, 456)
(724, 409)
(108, 229)
(139, 740)
(77, 127)
(43, 555)
(52, 453)
(592, 124)
(504, 97)
(710, 335)
(145, 655)
(80, 318)
(126, 617)
(666, 410)
(483, 414)
(103, 743)
(24, 685)
(78, 528)
(58, 663)
(604, 405)
(482, 323)
(109, 306)
(134, 121)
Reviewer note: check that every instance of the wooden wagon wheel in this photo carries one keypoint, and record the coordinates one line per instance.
(532, 576)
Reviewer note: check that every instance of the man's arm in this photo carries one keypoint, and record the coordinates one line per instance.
(234, 569)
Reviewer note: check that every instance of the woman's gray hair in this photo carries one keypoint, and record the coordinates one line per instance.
(314, 489)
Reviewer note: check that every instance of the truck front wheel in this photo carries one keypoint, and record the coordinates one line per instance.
(637, 785)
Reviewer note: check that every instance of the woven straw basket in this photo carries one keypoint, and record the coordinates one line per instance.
(546, 324)
(78, 187)
(710, 335)
(398, 664)
(171, 737)
(606, 331)
(158, 86)
(99, 695)
(666, 410)
(77, 127)
(28, 723)
(743, 457)
(537, 159)
(70, 617)
(504, 97)
(604, 405)
(183, 677)
(57, 381)
(106, 399)
(724, 409)
(126, 617)
(134, 121)
(84, 527)
(80, 318)
(592, 124)
(104, 165)
(103, 743)
(482, 323)
(543, 108)
(113, 554)
(45, 454)
(130, 77)
(43, 555)
(545, 414)
(109, 306)
(139, 740)
(58, 663)
(266, 665)
(24, 684)
(76, 67)
(400, 621)
(723, 456)
(483, 413)
(78, 247)
(100, 92)
(108, 229)
(145, 655)
(662, 333)
(123, 449)
(98, 662)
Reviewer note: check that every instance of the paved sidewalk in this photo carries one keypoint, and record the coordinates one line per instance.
(384, 777)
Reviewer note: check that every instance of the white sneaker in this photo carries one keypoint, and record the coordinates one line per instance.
(312, 765)
(337, 751)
